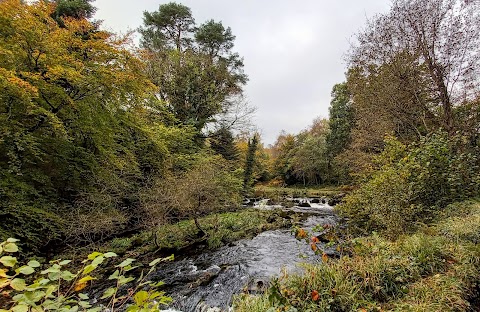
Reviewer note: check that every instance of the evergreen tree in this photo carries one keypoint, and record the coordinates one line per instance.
(222, 142)
(249, 163)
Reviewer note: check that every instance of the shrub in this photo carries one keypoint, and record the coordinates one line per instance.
(412, 184)
(29, 288)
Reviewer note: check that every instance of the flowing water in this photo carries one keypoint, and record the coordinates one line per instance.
(207, 281)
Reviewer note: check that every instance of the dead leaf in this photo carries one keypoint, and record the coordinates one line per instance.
(324, 257)
(80, 286)
(301, 233)
(315, 295)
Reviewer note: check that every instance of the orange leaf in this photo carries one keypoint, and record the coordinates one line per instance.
(80, 286)
(324, 257)
(301, 233)
(315, 295)
(313, 246)
(315, 239)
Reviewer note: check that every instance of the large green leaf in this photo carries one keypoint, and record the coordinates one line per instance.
(18, 284)
(8, 261)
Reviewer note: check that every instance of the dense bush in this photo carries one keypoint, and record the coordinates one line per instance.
(412, 184)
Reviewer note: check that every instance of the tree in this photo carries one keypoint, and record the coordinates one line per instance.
(169, 27)
(207, 186)
(431, 51)
(249, 163)
(74, 135)
(341, 120)
(77, 9)
(198, 75)
(222, 142)
(282, 151)
(309, 160)
(410, 74)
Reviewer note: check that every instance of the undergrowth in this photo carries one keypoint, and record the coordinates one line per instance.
(435, 269)
(221, 228)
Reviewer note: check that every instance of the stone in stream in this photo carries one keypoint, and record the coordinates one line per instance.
(304, 204)
(315, 201)
(336, 199)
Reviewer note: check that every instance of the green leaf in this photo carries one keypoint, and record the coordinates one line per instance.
(12, 240)
(67, 275)
(122, 280)
(93, 255)
(33, 264)
(98, 260)
(126, 262)
(53, 269)
(129, 268)
(89, 268)
(140, 277)
(154, 262)
(34, 296)
(18, 284)
(10, 247)
(50, 290)
(26, 270)
(54, 276)
(110, 254)
(84, 304)
(114, 275)
(8, 261)
(140, 297)
(20, 308)
(108, 293)
(83, 296)
(64, 262)
(161, 283)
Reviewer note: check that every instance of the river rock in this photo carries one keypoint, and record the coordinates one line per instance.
(248, 202)
(336, 199)
(315, 200)
(271, 202)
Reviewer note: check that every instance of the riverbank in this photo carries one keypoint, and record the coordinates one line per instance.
(435, 269)
(274, 192)
(178, 238)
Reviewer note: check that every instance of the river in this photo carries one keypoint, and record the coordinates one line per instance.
(207, 281)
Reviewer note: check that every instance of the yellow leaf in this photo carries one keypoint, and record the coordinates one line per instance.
(3, 273)
(85, 279)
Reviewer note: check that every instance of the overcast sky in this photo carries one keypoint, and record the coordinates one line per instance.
(293, 50)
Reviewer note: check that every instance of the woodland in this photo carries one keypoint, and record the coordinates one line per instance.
(106, 145)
